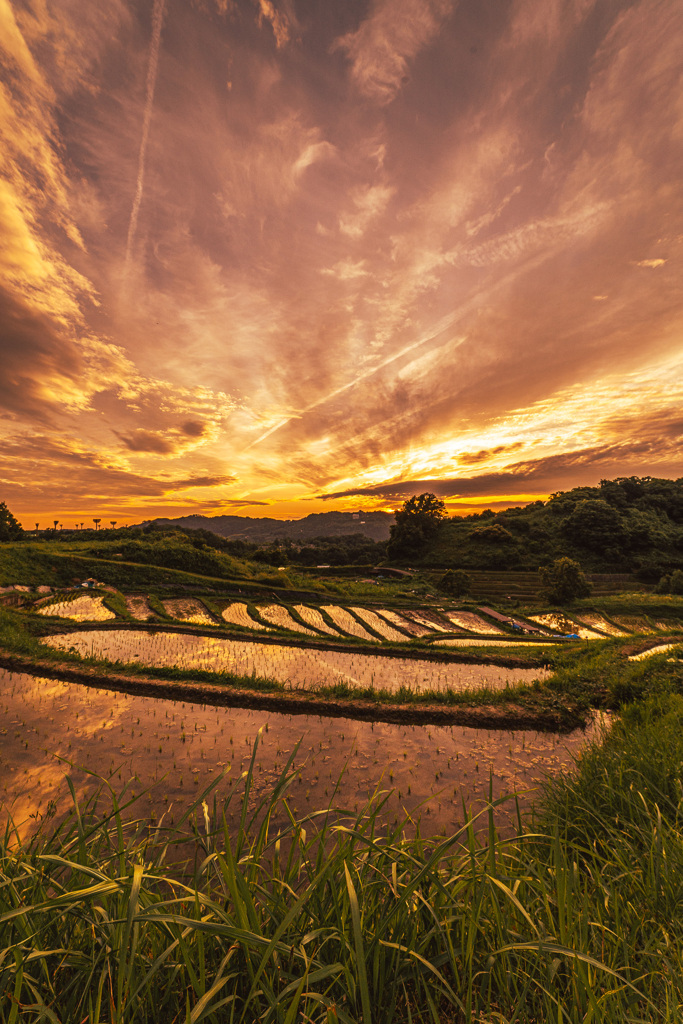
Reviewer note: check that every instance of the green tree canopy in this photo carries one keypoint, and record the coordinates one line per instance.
(564, 581)
(10, 529)
(593, 524)
(417, 521)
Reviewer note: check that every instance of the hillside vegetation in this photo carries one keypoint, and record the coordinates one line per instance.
(629, 524)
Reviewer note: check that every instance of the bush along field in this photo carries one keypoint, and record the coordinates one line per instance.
(343, 918)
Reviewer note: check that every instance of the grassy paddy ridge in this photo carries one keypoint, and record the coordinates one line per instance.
(346, 918)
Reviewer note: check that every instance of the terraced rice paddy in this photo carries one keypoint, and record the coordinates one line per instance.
(313, 617)
(433, 624)
(475, 641)
(379, 625)
(659, 649)
(188, 609)
(238, 614)
(295, 667)
(83, 608)
(471, 622)
(634, 623)
(177, 749)
(279, 616)
(346, 621)
(138, 607)
(601, 623)
(561, 624)
(414, 628)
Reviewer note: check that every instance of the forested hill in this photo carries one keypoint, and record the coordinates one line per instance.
(374, 525)
(629, 524)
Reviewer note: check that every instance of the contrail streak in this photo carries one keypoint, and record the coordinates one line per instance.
(443, 325)
(157, 21)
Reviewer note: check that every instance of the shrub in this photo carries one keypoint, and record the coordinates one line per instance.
(564, 581)
(455, 582)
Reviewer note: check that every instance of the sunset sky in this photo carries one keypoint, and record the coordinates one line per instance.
(273, 257)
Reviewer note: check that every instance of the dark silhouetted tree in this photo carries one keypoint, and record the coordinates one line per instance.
(10, 529)
(417, 522)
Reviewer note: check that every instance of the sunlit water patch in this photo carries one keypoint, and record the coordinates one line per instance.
(279, 616)
(238, 614)
(601, 623)
(472, 641)
(296, 667)
(414, 628)
(379, 625)
(346, 622)
(176, 749)
(433, 624)
(561, 624)
(313, 617)
(659, 649)
(84, 608)
(473, 623)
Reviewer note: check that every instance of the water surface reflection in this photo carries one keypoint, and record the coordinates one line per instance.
(177, 748)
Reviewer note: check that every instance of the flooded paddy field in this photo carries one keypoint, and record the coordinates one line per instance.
(346, 621)
(279, 616)
(563, 624)
(471, 622)
(377, 623)
(484, 642)
(238, 614)
(188, 609)
(601, 623)
(297, 668)
(52, 728)
(83, 608)
(138, 607)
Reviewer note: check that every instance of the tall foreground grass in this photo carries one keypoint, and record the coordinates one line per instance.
(341, 918)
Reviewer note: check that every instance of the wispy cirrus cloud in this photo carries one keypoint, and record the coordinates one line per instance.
(382, 47)
(375, 242)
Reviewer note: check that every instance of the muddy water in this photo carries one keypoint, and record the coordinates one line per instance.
(51, 727)
(296, 667)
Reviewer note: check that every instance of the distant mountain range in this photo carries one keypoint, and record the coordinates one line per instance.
(374, 525)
